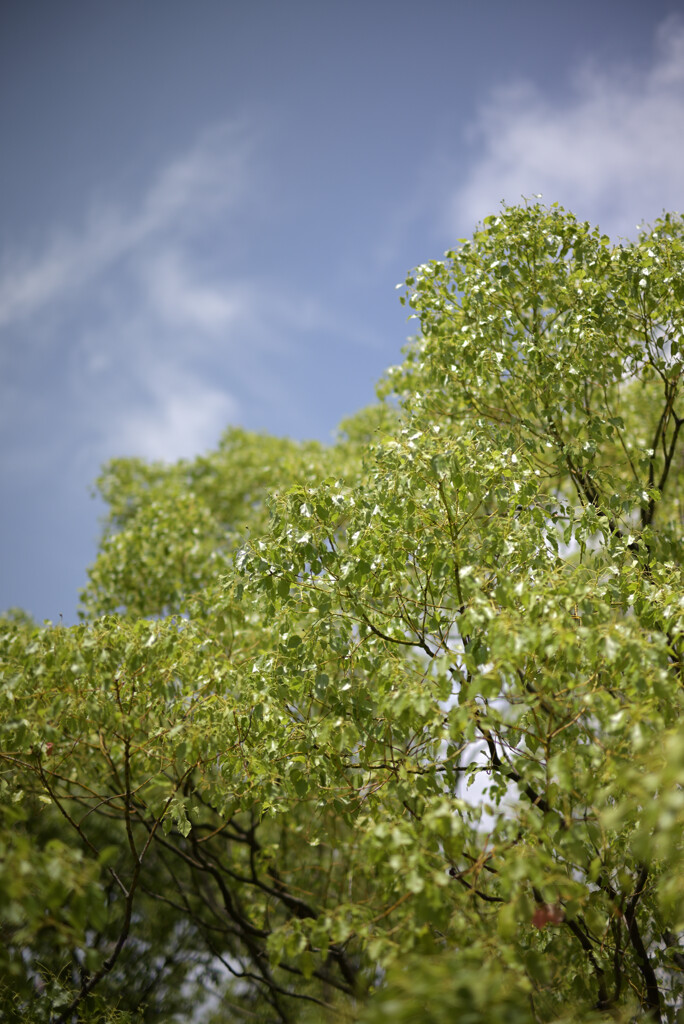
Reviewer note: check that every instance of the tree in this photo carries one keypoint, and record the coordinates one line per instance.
(392, 730)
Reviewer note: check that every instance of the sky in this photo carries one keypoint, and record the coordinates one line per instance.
(206, 207)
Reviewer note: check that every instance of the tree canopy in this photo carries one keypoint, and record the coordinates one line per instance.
(389, 730)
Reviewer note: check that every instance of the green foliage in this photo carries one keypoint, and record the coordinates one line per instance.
(390, 730)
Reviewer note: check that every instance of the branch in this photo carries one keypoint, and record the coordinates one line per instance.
(644, 964)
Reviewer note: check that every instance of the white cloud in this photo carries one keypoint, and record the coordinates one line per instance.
(178, 298)
(210, 177)
(122, 312)
(182, 416)
(612, 152)
(134, 334)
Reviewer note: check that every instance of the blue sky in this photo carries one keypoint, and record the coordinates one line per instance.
(206, 207)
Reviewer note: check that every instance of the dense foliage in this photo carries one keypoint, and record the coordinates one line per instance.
(390, 730)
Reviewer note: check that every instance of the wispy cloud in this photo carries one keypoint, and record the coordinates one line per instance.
(210, 177)
(182, 416)
(143, 333)
(180, 298)
(121, 309)
(613, 151)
